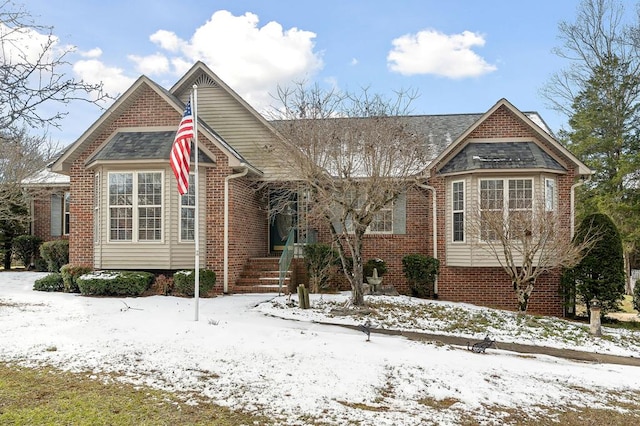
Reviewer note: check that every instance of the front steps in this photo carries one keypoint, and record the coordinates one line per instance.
(261, 275)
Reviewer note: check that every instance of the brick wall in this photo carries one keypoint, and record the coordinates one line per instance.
(146, 109)
(41, 213)
(248, 227)
(488, 286)
(247, 224)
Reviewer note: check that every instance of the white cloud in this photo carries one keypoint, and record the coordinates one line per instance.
(354, 61)
(26, 44)
(93, 53)
(167, 40)
(94, 71)
(433, 52)
(253, 60)
(155, 64)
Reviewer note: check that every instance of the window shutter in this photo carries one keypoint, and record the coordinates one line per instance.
(400, 214)
(56, 215)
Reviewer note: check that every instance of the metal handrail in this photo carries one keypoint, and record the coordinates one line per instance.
(285, 258)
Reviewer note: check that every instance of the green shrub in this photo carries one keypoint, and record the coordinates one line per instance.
(55, 253)
(70, 275)
(184, 282)
(26, 249)
(52, 282)
(421, 272)
(114, 283)
(378, 264)
(636, 297)
(321, 261)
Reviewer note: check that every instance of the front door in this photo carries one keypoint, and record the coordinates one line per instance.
(283, 217)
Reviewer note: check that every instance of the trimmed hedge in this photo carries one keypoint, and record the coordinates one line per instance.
(70, 276)
(52, 282)
(184, 282)
(55, 253)
(421, 272)
(114, 283)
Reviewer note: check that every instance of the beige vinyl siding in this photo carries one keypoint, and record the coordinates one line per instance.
(473, 252)
(167, 253)
(237, 126)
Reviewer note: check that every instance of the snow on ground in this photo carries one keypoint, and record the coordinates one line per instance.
(245, 354)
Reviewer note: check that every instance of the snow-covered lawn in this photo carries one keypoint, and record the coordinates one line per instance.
(247, 352)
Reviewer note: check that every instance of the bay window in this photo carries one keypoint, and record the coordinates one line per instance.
(135, 206)
(505, 205)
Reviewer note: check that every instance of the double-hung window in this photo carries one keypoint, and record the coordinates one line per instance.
(505, 205)
(491, 207)
(382, 222)
(188, 212)
(549, 195)
(60, 216)
(520, 206)
(458, 210)
(135, 206)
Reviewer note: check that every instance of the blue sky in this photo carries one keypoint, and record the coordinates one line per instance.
(461, 56)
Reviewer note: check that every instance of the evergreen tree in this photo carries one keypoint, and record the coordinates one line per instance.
(600, 273)
(599, 91)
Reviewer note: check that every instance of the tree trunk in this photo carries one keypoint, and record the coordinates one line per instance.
(523, 292)
(627, 273)
(357, 291)
(7, 257)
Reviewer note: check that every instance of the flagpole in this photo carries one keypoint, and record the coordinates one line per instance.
(196, 292)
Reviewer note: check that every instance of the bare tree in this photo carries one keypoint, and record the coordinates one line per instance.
(32, 77)
(352, 155)
(526, 240)
(22, 158)
(598, 35)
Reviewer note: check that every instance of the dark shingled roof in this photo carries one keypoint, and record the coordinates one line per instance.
(440, 131)
(501, 155)
(141, 146)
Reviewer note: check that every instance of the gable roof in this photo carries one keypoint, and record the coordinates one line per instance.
(501, 155)
(199, 68)
(531, 119)
(141, 145)
(63, 163)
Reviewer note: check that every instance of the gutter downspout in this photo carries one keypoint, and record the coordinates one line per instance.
(225, 288)
(435, 229)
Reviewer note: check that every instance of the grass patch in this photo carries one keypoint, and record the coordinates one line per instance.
(363, 406)
(438, 404)
(627, 305)
(44, 396)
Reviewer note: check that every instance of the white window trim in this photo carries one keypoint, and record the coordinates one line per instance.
(454, 211)
(349, 223)
(505, 195)
(135, 207)
(180, 206)
(390, 209)
(553, 206)
(66, 216)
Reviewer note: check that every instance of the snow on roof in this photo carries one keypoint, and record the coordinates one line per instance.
(47, 177)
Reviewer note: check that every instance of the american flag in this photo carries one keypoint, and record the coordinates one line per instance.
(181, 151)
